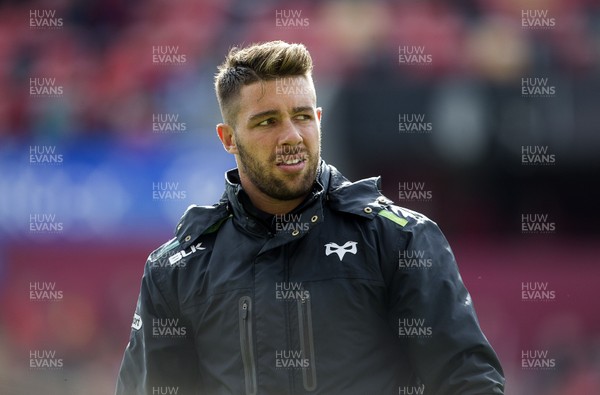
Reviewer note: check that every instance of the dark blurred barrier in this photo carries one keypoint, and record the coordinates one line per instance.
(486, 154)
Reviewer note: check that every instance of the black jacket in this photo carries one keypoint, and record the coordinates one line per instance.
(348, 294)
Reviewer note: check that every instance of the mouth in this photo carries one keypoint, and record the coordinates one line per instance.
(292, 163)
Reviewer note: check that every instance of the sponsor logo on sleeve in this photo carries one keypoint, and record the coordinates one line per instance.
(137, 322)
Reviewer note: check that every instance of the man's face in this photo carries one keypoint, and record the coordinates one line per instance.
(277, 137)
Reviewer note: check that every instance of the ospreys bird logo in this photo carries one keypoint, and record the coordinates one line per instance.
(350, 247)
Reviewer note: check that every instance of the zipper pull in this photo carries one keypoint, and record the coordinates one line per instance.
(245, 310)
(304, 298)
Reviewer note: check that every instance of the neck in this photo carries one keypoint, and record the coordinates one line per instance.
(269, 204)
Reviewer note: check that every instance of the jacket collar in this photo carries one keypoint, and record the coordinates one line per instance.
(308, 214)
(362, 198)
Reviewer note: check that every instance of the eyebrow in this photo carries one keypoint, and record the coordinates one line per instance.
(262, 115)
(267, 113)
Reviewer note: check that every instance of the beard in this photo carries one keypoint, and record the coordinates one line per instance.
(280, 187)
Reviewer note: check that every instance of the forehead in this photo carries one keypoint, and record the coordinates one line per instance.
(277, 94)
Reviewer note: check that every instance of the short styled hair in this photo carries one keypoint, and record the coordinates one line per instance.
(258, 62)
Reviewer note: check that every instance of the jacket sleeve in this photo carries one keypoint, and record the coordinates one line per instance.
(434, 317)
(160, 356)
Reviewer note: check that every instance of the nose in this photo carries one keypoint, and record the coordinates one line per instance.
(290, 133)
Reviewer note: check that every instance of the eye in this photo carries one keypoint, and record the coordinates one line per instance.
(303, 117)
(266, 122)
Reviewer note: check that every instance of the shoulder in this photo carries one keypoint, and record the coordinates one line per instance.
(195, 222)
(199, 220)
(365, 199)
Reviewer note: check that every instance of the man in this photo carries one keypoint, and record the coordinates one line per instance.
(298, 281)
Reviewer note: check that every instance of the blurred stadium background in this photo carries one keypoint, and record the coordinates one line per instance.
(94, 176)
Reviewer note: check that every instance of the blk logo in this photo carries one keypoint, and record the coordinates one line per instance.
(182, 254)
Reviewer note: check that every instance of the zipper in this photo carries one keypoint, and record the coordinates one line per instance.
(246, 344)
(309, 374)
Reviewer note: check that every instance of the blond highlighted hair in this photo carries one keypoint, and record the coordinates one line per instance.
(258, 62)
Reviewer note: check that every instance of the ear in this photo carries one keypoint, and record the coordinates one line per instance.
(227, 138)
(319, 112)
